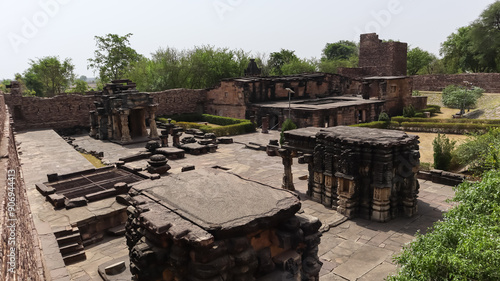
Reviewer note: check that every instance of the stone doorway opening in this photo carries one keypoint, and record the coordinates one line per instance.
(137, 123)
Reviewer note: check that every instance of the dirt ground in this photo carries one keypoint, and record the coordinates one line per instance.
(489, 103)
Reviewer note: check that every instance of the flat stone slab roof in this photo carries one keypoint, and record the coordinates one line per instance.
(366, 135)
(220, 202)
(354, 135)
(321, 103)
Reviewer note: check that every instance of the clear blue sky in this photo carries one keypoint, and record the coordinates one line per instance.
(66, 28)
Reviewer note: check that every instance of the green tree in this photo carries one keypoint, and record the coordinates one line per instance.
(200, 67)
(341, 50)
(461, 97)
(418, 60)
(49, 76)
(80, 86)
(459, 54)
(112, 57)
(485, 35)
(443, 149)
(298, 66)
(278, 59)
(286, 126)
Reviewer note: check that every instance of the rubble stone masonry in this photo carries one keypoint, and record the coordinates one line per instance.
(490, 82)
(20, 257)
(70, 110)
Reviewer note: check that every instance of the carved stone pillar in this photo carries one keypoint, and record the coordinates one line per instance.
(124, 124)
(286, 155)
(265, 124)
(153, 131)
(164, 138)
(366, 194)
(93, 124)
(382, 184)
(110, 126)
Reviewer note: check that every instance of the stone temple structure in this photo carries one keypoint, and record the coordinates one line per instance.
(121, 114)
(209, 224)
(363, 172)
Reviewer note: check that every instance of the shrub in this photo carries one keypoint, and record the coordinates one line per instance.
(384, 117)
(287, 125)
(465, 245)
(481, 151)
(229, 126)
(459, 97)
(416, 93)
(443, 148)
(409, 111)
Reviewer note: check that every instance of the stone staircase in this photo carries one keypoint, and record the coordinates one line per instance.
(70, 244)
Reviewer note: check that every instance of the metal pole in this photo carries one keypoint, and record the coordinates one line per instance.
(289, 107)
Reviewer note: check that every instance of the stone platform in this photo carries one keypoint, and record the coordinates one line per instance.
(356, 249)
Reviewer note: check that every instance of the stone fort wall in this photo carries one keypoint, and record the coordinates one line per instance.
(20, 256)
(70, 110)
(437, 82)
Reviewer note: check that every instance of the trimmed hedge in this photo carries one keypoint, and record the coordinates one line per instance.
(459, 126)
(229, 126)
(401, 119)
(378, 125)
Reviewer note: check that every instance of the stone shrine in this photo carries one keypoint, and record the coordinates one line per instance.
(363, 172)
(209, 224)
(121, 114)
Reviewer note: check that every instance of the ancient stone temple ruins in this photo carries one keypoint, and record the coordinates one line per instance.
(228, 228)
(363, 172)
(121, 114)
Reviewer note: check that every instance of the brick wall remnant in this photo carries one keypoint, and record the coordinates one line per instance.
(490, 82)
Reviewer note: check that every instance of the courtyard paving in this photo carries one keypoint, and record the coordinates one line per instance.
(350, 249)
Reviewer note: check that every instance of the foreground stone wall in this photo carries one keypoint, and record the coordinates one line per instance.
(488, 81)
(70, 110)
(20, 256)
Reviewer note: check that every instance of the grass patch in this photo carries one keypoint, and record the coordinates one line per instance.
(94, 160)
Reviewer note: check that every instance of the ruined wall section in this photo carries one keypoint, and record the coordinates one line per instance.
(62, 111)
(378, 58)
(70, 110)
(178, 101)
(20, 255)
(490, 82)
(227, 99)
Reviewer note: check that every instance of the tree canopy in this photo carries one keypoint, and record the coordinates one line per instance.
(419, 61)
(475, 48)
(278, 59)
(48, 76)
(200, 67)
(461, 97)
(341, 50)
(112, 57)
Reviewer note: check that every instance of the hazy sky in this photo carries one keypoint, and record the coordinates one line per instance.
(66, 28)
